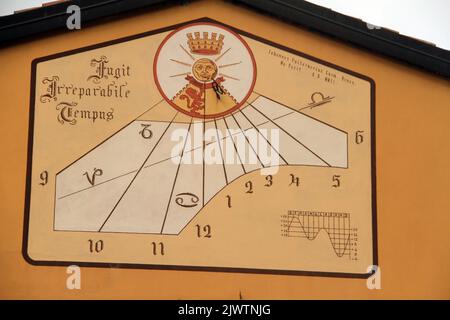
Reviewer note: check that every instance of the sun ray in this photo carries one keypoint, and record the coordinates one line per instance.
(180, 74)
(230, 64)
(181, 62)
(219, 57)
(190, 55)
(230, 77)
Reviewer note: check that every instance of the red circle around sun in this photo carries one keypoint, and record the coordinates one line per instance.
(187, 112)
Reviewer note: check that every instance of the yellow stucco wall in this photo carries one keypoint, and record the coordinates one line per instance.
(413, 175)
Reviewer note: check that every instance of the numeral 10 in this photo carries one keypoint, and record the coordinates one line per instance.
(95, 246)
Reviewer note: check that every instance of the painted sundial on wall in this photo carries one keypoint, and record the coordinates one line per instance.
(198, 146)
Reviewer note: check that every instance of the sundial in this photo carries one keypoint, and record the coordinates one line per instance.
(200, 146)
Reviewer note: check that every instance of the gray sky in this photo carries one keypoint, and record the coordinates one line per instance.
(422, 19)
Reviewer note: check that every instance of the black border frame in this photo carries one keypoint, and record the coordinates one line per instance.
(195, 268)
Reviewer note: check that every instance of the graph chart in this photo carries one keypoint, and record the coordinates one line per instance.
(308, 225)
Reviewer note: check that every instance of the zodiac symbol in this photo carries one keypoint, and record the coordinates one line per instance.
(318, 99)
(91, 178)
(180, 199)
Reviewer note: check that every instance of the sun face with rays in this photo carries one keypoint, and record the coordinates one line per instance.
(204, 70)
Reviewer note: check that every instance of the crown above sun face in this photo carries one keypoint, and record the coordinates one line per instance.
(205, 45)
